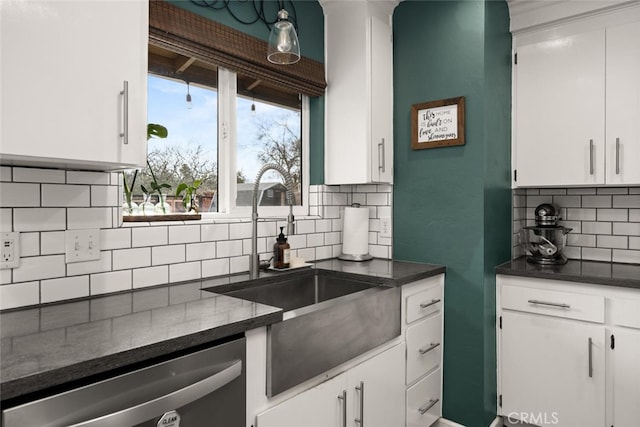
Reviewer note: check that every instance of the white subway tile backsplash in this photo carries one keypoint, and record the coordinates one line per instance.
(200, 251)
(626, 256)
(167, 254)
(322, 225)
(567, 201)
(115, 238)
(596, 254)
(581, 240)
(52, 242)
(611, 190)
(19, 195)
(104, 195)
(627, 201)
(324, 252)
(184, 234)
(229, 248)
(149, 236)
(144, 277)
(597, 201)
(96, 178)
(634, 215)
(42, 267)
(29, 244)
(65, 195)
(38, 175)
(613, 215)
(238, 264)
(64, 288)
(112, 281)
(574, 214)
(87, 267)
(215, 267)
(240, 230)
(5, 173)
(6, 220)
(186, 271)
(314, 240)
(613, 242)
(39, 219)
(626, 228)
(82, 218)
(305, 226)
(596, 227)
(19, 295)
(634, 243)
(298, 241)
(131, 258)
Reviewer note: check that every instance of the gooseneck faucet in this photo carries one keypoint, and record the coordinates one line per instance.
(254, 258)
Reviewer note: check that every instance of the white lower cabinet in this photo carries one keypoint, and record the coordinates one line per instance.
(568, 353)
(372, 391)
(423, 314)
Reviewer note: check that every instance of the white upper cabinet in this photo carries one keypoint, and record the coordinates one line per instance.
(577, 102)
(73, 83)
(359, 97)
(623, 104)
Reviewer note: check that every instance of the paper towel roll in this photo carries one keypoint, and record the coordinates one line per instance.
(355, 230)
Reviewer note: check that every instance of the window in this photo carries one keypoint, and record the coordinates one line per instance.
(230, 129)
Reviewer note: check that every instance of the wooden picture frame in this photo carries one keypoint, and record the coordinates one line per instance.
(437, 123)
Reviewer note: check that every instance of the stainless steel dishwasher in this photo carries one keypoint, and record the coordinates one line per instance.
(204, 388)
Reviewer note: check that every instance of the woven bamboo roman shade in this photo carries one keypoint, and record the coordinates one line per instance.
(195, 36)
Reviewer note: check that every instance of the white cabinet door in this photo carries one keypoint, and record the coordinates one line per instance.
(560, 111)
(623, 104)
(359, 97)
(626, 378)
(552, 370)
(382, 379)
(64, 66)
(321, 406)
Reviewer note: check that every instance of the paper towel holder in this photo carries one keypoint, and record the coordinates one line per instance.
(354, 257)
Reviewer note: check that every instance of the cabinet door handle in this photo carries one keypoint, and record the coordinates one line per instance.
(360, 388)
(381, 156)
(590, 358)
(125, 112)
(430, 404)
(551, 304)
(591, 157)
(426, 350)
(617, 156)
(429, 304)
(343, 398)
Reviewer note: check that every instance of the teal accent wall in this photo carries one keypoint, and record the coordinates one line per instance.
(311, 37)
(452, 205)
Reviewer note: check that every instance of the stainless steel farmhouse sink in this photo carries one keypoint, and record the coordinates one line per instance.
(327, 320)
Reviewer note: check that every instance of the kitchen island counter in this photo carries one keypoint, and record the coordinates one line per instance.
(594, 272)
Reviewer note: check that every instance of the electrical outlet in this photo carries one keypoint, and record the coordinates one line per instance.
(10, 250)
(82, 245)
(385, 227)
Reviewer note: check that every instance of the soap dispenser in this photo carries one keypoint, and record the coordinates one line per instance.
(281, 251)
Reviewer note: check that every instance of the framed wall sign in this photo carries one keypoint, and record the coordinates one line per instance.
(437, 123)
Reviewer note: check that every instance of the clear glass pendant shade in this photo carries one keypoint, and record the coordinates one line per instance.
(283, 41)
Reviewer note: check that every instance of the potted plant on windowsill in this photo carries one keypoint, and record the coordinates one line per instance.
(189, 201)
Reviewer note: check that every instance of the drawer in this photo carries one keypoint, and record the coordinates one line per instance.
(424, 406)
(625, 312)
(424, 347)
(424, 303)
(553, 303)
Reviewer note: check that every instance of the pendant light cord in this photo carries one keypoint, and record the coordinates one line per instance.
(258, 8)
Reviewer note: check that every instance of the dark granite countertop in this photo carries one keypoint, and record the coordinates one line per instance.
(599, 273)
(55, 344)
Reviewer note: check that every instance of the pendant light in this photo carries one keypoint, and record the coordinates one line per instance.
(189, 103)
(283, 41)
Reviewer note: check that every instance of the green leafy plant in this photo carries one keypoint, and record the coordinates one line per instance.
(189, 197)
(128, 189)
(156, 131)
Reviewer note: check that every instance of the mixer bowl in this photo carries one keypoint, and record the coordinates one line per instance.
(544, 244)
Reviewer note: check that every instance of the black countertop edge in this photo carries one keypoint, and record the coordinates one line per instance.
(378, 270)
(592, 272)
(26, 387)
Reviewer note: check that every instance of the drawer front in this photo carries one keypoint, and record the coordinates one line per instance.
(625, 312)
(424, 406)
(424, 303)
(553, 303)
(424, 347)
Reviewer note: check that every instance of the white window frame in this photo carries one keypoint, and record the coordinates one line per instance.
(228, 161)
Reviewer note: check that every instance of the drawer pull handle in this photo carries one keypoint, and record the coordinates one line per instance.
(617, 156)
(428, 349)
(591, 157)
(361, 390)
(125, 112)
(423, 409)
(590, 357)
(429, 304)
(343, 399)
(550, 304)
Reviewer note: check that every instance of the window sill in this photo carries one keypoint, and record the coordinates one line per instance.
(155, 218)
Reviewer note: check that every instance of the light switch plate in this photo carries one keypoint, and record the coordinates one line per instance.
(10, 250)
(82, 245)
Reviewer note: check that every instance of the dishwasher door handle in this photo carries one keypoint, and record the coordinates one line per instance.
(156, 407)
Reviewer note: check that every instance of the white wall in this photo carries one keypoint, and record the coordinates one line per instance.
(42, 203)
